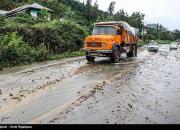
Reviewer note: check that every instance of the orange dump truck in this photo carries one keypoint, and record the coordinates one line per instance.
(111, 39)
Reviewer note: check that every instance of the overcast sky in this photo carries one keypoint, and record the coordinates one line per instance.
(166, 12)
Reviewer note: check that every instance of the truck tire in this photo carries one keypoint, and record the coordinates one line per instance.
(90, 58)
(116, 55)
(135, 51)
(130, 54)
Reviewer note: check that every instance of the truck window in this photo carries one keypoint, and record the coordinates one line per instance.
(104, 30)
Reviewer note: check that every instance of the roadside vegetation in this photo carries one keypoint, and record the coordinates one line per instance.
(24, 40)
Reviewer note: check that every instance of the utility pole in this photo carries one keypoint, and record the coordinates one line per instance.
(160, 27)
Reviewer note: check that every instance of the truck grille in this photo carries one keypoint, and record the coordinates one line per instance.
(94, 44)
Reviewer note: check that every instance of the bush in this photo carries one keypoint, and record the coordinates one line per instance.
(2, 21)
(164, 41)
(58, 36)
(178, 40)
(41, 53)
(140, 43)
(37, 39)
(14, 50)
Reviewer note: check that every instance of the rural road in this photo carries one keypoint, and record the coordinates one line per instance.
(139, 90)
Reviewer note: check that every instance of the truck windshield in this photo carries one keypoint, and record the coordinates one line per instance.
(102, 30)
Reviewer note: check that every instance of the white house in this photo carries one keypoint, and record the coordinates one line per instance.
(32, 9)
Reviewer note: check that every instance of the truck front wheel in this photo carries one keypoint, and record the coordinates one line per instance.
(90, 58)
(116, 55)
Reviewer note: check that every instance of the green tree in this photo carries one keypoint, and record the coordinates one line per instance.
(176, 34)
(111, 7)
(88, 8)
(121, 15)
(136, 20)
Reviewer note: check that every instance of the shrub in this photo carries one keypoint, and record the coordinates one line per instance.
(2, 21)
(37, 39)
(41, 53)
(140, 43)
(14, 50)
(164, 41)
(178, 40)
(58, 36)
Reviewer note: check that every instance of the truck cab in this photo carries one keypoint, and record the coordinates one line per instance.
(110, 39)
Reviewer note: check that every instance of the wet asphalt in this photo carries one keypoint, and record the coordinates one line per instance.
(137, 90)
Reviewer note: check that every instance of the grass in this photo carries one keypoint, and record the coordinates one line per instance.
(50, 57)
(66, 55)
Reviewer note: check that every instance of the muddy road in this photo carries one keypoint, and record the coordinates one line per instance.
(144, 90)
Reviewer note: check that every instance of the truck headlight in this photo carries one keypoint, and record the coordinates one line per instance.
(103, 45)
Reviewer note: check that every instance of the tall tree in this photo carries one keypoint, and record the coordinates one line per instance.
(157, 27)
(88, 8)
(96, 5)
(95, 11)
(136, 20)
(111, 7)
(160, 28)
(121, 15)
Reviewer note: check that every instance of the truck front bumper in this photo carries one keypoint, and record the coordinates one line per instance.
(99, 51)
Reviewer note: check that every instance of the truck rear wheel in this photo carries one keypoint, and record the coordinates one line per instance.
(116, 55)
(135, 50)
(132, 51)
